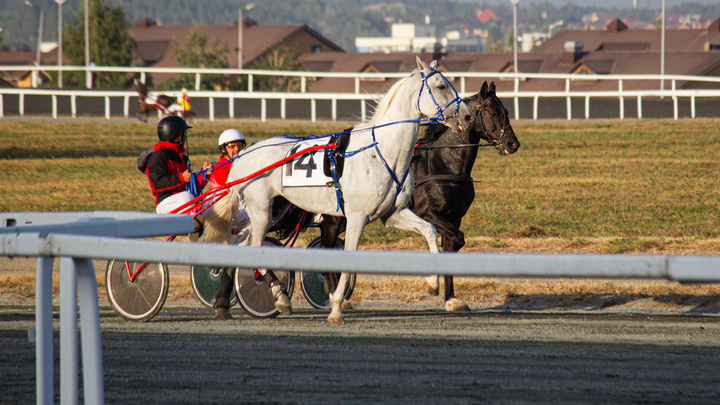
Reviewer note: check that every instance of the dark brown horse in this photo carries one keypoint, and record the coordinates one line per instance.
(146, 104)
(444, 190)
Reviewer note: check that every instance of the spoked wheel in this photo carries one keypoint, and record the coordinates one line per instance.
(253, 289)
(313, 284)
(206, 280)
(139, 299)
(205, 283)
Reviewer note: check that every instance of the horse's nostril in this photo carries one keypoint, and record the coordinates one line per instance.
(469, 118)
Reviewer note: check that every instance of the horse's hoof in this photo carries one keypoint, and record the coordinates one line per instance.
(223, 314)
(282, 303)
(346, 306)
(456, 305)
(336, 319)
(430, 289)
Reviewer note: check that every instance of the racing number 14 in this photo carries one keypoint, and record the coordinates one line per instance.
(309, 166)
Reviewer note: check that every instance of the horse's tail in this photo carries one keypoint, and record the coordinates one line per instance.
(218, 219)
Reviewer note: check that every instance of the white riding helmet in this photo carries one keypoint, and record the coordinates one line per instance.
(229, 136)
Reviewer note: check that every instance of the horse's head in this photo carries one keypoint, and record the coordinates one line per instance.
(438, 99)
(493, 123)
(138, 86)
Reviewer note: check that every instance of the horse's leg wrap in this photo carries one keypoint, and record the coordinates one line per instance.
(222, 297)
(279, 292)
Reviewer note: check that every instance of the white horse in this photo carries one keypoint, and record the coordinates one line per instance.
(377, 182)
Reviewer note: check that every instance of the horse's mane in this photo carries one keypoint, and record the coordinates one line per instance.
(386, 101)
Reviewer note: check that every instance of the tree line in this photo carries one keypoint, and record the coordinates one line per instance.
(341, 21)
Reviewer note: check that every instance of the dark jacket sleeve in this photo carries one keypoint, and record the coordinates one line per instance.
(158, 173)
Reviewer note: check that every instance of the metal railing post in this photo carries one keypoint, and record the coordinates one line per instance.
(73, 105)
(93, 387)
(283, 108)
(44, 332)
(231, 106)
(107, 107)
(357, 85)
(568, 102)
(516, 103)
(54, 106)
(313, 110)
(250, 83)
(263, 110)
(197, 81)
(126, 105)
(622, 100)
(21, 104)
(692, 106)
(2, 107)
(303, 83)
(587, 107)
(211, 107)
(675, 100)
(363, 110)
(462, 85)
(68, 333)
(639, 106)
(535, 107)
(334, 109)
(143, 77)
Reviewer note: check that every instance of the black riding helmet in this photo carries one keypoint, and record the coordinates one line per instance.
(170, 127)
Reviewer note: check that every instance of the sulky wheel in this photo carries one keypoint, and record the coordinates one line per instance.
(253, 289)
(139, 299)
(313, 284)
(205, 282)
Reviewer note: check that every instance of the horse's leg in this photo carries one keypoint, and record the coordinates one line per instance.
(355, 226)
(260, 216)
(330, 229)
(406, 220)
(452, 240)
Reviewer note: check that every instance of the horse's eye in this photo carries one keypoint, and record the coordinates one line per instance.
(442, 87)
(492, 113)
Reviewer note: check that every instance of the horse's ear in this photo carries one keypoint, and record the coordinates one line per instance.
(434, 64)
(421, 65)
(492, 87)
(483, 91)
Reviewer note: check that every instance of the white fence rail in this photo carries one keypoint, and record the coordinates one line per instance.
(673, 92)
(77, 271)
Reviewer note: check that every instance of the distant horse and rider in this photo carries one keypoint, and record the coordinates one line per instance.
(166, 104)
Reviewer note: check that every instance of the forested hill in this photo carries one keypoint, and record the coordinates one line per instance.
(339, 20)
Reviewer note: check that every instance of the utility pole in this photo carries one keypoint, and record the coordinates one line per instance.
(88, 79)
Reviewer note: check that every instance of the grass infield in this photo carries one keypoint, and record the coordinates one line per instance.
(607, 187)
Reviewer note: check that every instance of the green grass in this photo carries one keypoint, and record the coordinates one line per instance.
(574, 180)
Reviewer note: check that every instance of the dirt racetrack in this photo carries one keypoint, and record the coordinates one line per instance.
(387, 353)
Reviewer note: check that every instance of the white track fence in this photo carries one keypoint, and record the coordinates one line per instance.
(672, 93)
(47, 236)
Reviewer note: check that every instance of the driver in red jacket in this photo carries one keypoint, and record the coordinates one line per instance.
(167, 169)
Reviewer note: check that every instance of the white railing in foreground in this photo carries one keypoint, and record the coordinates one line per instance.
(672, 92)
(77, 269)
(77, 278)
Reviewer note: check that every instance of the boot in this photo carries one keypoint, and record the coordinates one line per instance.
(222, 296)
(282, 302)
(198, 229)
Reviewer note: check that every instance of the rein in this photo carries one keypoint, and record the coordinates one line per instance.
(215, 194)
